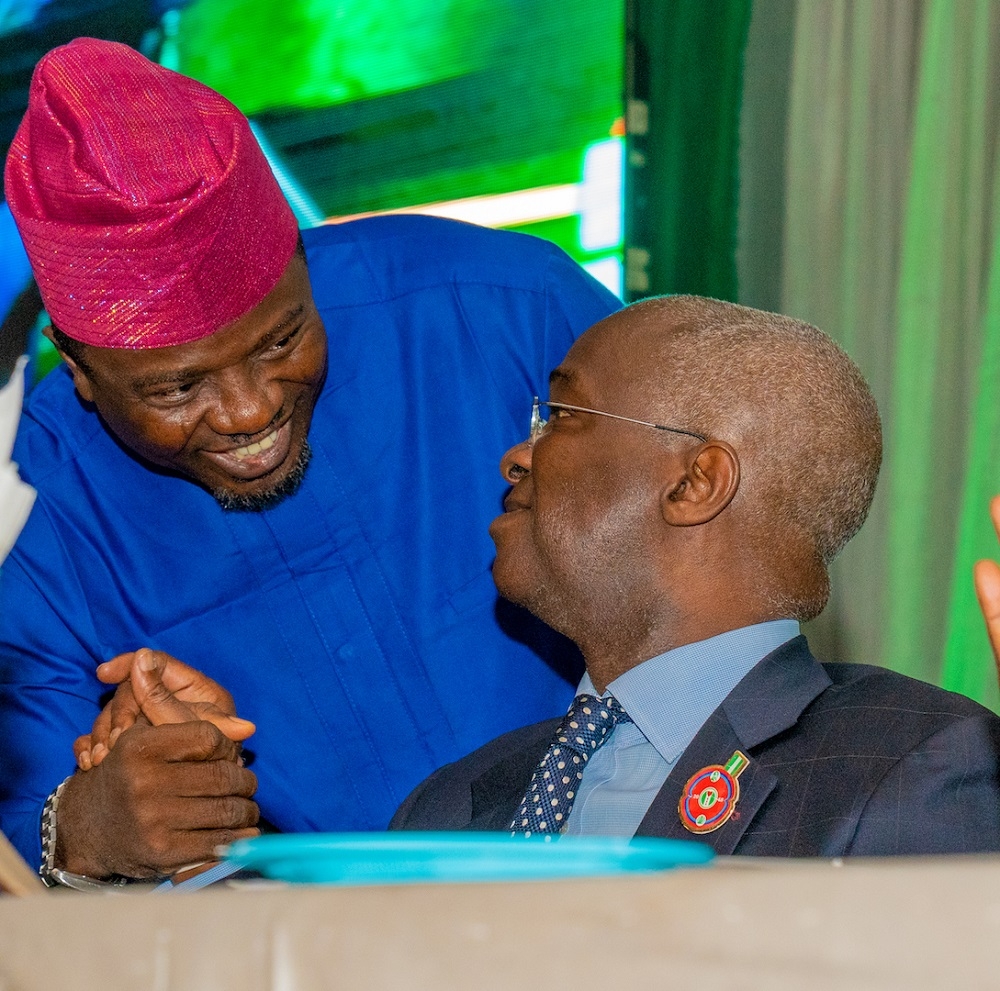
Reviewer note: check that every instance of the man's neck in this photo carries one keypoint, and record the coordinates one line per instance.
(606, 662)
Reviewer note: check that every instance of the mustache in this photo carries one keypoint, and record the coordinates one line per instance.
(247, 438)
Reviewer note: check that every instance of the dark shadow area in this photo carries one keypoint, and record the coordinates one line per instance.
(557, 651)
(16, 328)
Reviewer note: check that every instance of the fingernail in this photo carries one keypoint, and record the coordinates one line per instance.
(99, 751)
(146, 661)
(115, 733)
(84, 761)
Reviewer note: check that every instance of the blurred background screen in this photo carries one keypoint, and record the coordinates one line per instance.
(506, 113)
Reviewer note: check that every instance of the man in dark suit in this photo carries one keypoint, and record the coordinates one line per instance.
(702, 465)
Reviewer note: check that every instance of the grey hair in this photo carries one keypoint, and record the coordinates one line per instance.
(801, 417)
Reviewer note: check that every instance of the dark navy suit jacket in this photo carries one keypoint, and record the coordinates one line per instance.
(844, 759)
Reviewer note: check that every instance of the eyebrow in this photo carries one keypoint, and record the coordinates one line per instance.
(190, 374)
(558, 376)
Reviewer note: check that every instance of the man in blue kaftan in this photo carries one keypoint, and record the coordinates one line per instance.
(350, 611)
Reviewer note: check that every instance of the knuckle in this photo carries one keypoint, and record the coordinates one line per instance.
(229, 779)
(220, 781)
(208, 733)
(151, 839)
(147, 819)
(132, 744)
(226, 836)
(159, 693)
(249, 782)
(157, 848)
(236, 813)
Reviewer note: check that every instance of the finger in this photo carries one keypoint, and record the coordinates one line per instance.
(207, 779)
(158, 703)
(102, 727)
(97, 748)
(190, 684)
(179, 849)
(186, 682)
(233, 727)
(81, 750)
(116, 717)
(212, 812)
(170, 691)
(987, 580)
(177, 742)
(117, 669)
(123, 710)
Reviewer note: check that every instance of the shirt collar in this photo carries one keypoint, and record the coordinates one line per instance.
(671, 695)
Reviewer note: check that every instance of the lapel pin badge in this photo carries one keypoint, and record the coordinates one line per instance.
(710, 795)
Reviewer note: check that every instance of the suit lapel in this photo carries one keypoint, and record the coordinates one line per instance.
(766, 702)
(497, 792)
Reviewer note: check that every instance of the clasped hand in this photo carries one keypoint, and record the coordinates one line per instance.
(162, 689)
(161, 781)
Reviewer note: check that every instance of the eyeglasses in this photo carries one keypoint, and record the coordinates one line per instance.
(538, 424)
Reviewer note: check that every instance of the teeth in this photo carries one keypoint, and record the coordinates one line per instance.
(252, 449)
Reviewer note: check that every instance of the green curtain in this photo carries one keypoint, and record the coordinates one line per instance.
(968, 666)
(945, 280)
(889, 223)
(686, 60)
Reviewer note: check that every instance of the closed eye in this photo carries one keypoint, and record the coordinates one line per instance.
(282, 345)
(177, 393)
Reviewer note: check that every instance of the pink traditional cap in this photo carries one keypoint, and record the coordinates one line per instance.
(149, 213)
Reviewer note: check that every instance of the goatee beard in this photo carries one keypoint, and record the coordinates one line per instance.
(259, 501)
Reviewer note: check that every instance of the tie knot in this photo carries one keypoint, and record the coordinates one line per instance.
(552, 790)
(589, 721)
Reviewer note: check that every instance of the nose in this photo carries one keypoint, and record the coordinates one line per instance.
(247, 403)
(516, 463)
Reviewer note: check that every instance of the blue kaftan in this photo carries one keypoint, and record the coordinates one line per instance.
(356, 623)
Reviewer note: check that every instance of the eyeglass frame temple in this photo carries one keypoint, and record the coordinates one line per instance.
(538, 424)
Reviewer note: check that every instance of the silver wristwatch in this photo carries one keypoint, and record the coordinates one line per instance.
(48, 872)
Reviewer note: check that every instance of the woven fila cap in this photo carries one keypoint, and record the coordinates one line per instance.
(149, 213)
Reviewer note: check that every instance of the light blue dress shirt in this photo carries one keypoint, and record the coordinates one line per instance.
(668, 697)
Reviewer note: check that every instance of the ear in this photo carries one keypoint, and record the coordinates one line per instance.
(80, 378)
(711, 479)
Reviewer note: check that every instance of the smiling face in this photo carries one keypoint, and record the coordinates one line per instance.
(581, 538)
(230, 411)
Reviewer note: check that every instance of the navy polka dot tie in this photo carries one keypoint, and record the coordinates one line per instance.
(546, 806)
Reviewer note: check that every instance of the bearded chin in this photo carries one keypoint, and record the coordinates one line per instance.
(258, 502)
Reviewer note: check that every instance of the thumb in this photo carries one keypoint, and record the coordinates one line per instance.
(160, 705)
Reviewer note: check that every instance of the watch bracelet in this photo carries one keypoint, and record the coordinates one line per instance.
(53, 876)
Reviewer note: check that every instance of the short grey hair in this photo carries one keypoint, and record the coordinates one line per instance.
(799, 413)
